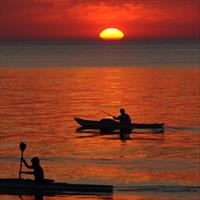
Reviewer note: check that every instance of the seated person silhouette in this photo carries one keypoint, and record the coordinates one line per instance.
(37, 169)
(125, 122)
(123, 117)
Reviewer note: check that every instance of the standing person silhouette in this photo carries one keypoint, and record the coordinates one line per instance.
(37, 169)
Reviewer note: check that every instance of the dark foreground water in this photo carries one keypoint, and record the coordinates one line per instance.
(38, 106)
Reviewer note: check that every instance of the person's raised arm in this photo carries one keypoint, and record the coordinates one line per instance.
(26, 164)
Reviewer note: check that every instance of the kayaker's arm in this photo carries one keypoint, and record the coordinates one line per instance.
(116, 118)
(27, 172)
(26, 164)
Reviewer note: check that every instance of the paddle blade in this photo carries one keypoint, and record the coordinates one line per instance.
(22, 146)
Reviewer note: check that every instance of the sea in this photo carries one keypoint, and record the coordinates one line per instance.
(45, 84)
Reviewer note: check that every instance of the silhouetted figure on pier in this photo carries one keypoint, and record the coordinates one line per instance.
(37, 169)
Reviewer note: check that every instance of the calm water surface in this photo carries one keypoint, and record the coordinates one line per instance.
(147, 53)
(38, 107)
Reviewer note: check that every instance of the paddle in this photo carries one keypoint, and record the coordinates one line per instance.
(22, 147)
(107, 113)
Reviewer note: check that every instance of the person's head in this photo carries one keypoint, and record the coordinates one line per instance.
(122, 111)
(35, 161)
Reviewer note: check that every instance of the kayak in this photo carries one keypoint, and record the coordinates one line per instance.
(110, 124)
(27, 186)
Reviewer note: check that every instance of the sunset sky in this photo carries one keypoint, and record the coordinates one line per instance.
(84, 19)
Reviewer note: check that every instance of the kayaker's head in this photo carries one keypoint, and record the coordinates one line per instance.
(122, 111)
(35, 161)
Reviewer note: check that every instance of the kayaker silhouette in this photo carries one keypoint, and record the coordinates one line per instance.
(125, 123)
(37, 169)
(124, 118)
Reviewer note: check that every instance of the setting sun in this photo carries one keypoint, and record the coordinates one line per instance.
(111, 34)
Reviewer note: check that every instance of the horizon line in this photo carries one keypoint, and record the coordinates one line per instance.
(98, 39)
